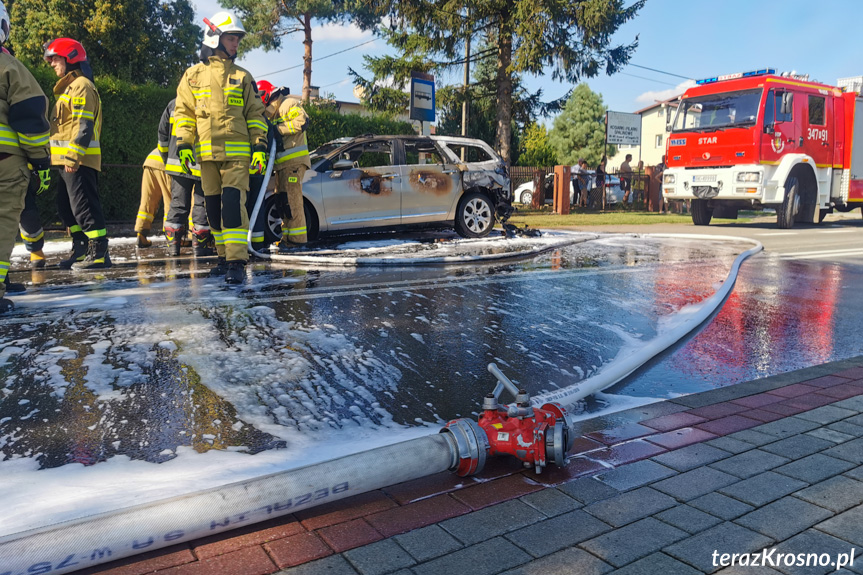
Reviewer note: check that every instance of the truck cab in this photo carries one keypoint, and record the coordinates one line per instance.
(760, 140)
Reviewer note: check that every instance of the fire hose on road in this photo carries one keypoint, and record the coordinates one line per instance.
(534, 435)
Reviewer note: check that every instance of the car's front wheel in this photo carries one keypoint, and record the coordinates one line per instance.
(526, 198)
(474, 217)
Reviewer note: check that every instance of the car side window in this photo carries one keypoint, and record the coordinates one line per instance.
(422, 154)
(469, 153)
(369, 154)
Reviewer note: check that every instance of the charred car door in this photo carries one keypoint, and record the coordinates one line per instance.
(430, 186)
(361, 187)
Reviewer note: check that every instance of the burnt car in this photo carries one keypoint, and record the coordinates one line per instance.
(393, 182)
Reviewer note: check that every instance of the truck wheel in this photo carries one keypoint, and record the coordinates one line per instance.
(788, 210)
(701, 213)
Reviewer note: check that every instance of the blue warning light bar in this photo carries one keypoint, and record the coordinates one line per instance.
(762, 72)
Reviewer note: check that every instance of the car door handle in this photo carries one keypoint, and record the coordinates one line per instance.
(388, 176)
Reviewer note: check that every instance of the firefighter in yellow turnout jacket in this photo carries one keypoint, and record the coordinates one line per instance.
(155, 186)
(292, 160)
(219, 115)
(76, 123)
(23, 137)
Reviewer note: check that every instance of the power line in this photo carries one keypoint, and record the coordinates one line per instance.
(660, 71)
(648, 79)
(317, 59)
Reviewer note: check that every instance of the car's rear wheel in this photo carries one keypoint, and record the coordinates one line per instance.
(474, 217)
(273, 225)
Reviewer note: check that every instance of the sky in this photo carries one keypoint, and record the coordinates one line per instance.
(683, 38)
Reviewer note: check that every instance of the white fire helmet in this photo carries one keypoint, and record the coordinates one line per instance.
(4, 24)
(227, 23)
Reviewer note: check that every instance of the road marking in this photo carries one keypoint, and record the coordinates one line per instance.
(821, 254)
(778, 234)
(843, 231)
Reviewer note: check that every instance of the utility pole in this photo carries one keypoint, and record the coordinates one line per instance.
(464, 104)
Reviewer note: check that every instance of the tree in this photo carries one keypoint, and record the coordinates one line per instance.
(579, 131)
(269, 21)
(535, 148)
(136, 40)
(571, 38)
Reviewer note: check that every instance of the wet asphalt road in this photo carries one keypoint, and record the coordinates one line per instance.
(151, 356)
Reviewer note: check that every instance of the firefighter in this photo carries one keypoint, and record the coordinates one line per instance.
(155, 186)
(76, 124)
(218, 112)
(292, 160)
(187, 196)
(24, 137)
(30, 226)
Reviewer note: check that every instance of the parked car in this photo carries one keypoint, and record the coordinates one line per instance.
(392, 182)
(613, 194)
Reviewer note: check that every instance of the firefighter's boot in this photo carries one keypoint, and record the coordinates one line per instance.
(79, 251)
(13, 287)
(97, 256)
(143, 240)
(6, 305)
(219, 268)
(37, 259)
(173, 237)
(203, 243)
(236, 272)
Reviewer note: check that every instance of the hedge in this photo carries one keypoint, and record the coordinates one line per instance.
(130, 121)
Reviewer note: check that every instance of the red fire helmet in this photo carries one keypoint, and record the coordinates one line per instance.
(266, 90)
(70, 49)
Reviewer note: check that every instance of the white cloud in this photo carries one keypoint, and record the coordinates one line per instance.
(339, 32)
(661, 95)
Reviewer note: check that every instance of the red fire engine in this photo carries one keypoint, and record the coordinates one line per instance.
(758, 139)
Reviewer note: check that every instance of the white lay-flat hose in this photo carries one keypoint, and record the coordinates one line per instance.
(622, 367)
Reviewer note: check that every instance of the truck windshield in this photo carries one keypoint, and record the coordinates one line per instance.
(717, 111)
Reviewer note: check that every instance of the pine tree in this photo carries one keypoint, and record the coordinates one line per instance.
(536, 150)
(579, 131)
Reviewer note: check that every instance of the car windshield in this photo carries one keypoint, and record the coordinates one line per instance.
(717, 111)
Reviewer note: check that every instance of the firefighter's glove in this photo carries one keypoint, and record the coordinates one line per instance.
(259, 162)
(187, 158)
(44, 180)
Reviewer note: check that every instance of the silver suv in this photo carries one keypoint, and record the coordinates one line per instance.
(386, 182)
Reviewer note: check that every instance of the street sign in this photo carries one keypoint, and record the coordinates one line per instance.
(623, 128)
(422, 97)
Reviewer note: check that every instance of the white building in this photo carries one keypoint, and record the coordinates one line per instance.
(655, 120)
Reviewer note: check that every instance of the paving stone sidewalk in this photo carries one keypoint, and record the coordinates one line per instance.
(667, 488)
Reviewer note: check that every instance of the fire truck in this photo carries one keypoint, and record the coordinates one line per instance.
(757, 139)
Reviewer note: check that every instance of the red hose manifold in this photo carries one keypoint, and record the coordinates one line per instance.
(534, 435)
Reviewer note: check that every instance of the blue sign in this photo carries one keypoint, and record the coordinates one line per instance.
(422, 100)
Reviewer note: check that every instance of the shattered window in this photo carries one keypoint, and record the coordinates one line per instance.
(370, 155)
(422, 154)
(469, 153)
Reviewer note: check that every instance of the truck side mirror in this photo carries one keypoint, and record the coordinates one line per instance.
(768, 129)
(787, 103)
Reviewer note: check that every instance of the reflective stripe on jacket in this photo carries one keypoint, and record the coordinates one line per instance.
(291, 122)
(76, 123)
(154, 160)
(24, 129)
(218, 111)
(168, 145)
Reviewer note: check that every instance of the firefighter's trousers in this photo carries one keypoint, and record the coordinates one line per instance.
(14, 177)
(225, 185)
(290, 182)
(155, 187)
(31, 222)
(187, 203)
(78, 202)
